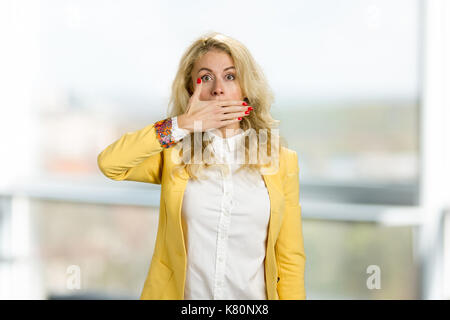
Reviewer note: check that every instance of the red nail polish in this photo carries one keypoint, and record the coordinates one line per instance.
(199, 80)
(239, 118)
(244, 103)
(250, 108)
(247, 112)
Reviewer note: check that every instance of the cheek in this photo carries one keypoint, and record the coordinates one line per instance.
(235, 90)
(204, 95)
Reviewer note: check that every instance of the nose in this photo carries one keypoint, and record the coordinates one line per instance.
(217, 88)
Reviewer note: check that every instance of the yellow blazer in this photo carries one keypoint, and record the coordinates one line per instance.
(139, 156)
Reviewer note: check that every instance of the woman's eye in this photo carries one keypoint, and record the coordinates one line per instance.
(206, 75)
(228, 76)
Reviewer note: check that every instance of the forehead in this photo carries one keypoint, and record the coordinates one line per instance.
(215, 60)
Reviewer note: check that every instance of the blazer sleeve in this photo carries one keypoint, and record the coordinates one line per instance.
(137, 156)
(289, 246)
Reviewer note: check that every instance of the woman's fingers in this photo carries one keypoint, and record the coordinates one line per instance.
(222, 112)
(197, 90)
(233, 115)
(226, 103)
(194, 100)
(233, 109)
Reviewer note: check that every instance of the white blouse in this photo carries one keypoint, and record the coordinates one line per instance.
(225, 219)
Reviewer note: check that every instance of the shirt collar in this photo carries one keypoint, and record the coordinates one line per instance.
(225, 147)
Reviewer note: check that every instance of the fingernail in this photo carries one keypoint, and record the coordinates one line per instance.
(244, 103)
(199, 80)
(239, 118)
(247, 112)
(250, 108)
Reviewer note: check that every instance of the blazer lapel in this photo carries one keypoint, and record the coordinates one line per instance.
(276, 196)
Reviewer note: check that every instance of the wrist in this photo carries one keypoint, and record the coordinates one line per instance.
(183, 122)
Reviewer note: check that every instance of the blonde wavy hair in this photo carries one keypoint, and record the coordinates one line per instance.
(254, 87)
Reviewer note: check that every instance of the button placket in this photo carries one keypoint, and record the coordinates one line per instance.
(223, 230)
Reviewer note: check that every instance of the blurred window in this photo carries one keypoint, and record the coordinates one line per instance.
(346, 80)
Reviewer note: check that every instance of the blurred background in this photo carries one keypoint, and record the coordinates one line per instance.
(362, 92)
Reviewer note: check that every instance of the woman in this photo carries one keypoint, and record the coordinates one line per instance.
(227, 229)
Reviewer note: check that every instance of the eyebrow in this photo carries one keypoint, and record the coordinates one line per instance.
(212, 71)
